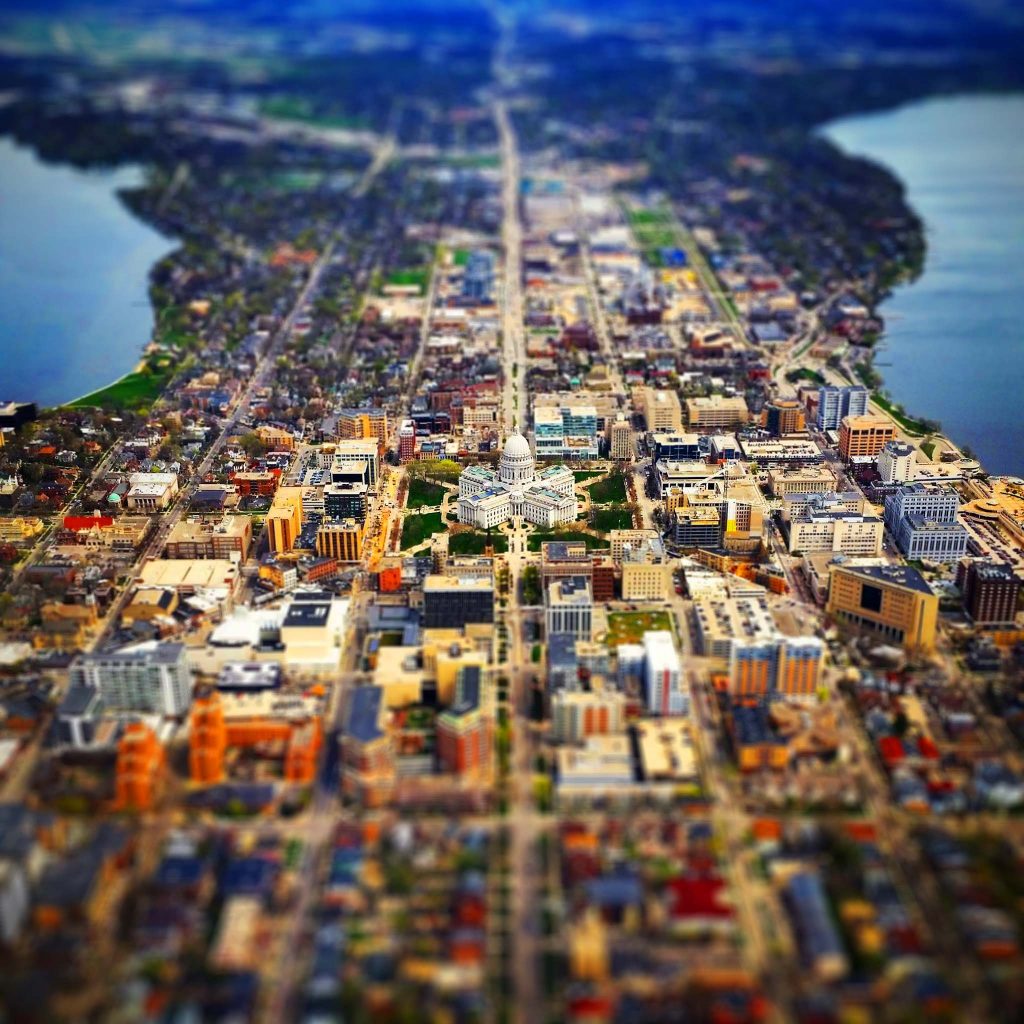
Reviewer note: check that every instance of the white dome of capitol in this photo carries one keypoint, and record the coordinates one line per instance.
(516, 447)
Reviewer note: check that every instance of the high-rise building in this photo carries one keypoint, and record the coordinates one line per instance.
(465, 731)
(284, 520)
(783, 416)
(836, 403)
(363, 423)
(406, 442)
(662, 410)
(844, 533)
(716, 411)
(569, 608)
(154, 679)
(577, 714)
(566, 432)
(451, 601)
(923, 521)
(896, 462)
(863, 437)
(620, 438)
(663, 675)
(990, 590)
(345, 501)
(341, 540)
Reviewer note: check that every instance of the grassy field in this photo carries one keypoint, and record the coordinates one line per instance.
(610, 491)
(423, 493)
(131, 391)
(420, 278)
(294, 108)
(460, 257)
(911, 425)
(474, 542)
(418, 528)
(629, 627)
(580, 475)
(803, 373)
(606, 519)
(592, 542)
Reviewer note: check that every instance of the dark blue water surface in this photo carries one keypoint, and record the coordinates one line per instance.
(954, 342)
(74, 265)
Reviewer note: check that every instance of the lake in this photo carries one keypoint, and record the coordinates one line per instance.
(74, 277)
(954, 340)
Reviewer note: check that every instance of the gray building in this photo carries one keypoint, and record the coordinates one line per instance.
(154, 679)
(834, 403)
(922, 519)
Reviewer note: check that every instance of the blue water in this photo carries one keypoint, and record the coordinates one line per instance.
(955, 337)
(74, 265)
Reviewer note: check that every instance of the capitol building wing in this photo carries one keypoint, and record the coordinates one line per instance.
(487, 498)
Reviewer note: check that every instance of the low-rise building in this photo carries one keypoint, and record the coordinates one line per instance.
(225, 537)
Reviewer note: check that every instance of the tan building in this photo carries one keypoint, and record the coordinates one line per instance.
(341, 540)
(804, 480)
(620, 438)
(619, 540)
(149, 492)
(20, 528)
(226, 537)
(863, 437)
(645, 581)
(892, 601)
(284, 520)
(842, 533)
(275, 437)
(716, 411)
(355, 424)
(662, 411)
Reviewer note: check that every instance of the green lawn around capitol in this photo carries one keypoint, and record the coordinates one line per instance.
(420, 527)
(593, 543)
(473, 542)
(423, 493)
(611, 491)
(629, 627)
(605, 519)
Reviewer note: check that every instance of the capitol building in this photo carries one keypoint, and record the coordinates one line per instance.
(487, 498)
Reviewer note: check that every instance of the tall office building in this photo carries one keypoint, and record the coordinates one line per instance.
(663, 675)
(990, 590)
(923, 521)
(154, 679)
(835, 403)
(570, 608)
(896, 462)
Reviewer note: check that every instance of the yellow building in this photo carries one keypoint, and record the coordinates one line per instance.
(275, 437)
(716, 411)
(342, 539)
(893, 601)
(284, 520)
(662, 411)
(20, 528)
(646, 581)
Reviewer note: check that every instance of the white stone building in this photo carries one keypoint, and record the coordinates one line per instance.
(487, 498)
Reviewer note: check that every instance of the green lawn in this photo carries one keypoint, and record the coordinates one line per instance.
(418, 528)
(629, 627)
(611, 491)
(129, 392)
(580, 475)
(593, 543)
(419, 277)
(473, 543)
(295, 108)
(460, 257)
(606, 519)
(423, 492)
(803, 373)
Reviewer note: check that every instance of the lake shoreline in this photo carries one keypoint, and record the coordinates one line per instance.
(947, 327)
